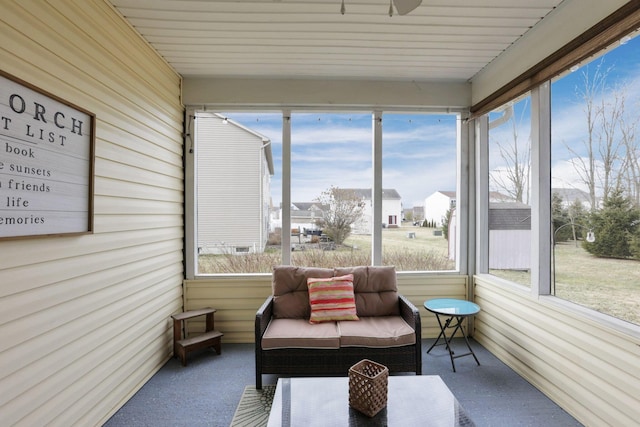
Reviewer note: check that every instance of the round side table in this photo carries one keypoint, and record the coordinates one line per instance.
(454, 312)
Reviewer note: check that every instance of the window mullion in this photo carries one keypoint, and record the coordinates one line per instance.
(286, 187)
(541, 190)
(482, 193)
(376, 192)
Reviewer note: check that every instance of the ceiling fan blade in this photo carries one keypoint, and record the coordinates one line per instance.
(405, 6)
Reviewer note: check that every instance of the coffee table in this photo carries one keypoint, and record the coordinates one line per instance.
(321, 402)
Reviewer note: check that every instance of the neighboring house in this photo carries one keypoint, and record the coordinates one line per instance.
(509, 236)
(413, 214)
(234, 171)
(391, 209)
(275, 217)
(304, 215)
(437, 205)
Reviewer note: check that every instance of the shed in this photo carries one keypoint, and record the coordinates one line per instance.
(509, 236)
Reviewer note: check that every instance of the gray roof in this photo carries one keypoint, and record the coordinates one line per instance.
(308, 206)
(365, 193)
(509, 216)
(449, 194)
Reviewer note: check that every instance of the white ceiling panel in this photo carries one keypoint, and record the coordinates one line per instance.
(440, 40)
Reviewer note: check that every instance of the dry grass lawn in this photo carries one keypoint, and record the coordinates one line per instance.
(610, 286)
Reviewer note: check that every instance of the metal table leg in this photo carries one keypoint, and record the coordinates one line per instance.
(457, 326)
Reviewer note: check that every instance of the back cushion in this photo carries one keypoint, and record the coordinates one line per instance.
(375, 289)
(290, 292)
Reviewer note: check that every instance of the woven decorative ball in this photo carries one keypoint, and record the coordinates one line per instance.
(368, 384)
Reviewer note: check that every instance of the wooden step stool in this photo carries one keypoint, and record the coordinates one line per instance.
(210, 338)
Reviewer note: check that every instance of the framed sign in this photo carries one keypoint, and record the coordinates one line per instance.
(46, 163)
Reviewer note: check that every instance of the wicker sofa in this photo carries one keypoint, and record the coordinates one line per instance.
(388, 329)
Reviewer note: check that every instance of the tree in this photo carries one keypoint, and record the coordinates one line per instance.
(568, 222)
(560, 218)
(513, 179)
(610, 158)
(345, 207)
(577, 215)
(445, 222)
(614, 226)
(630, 174)
(409, 216)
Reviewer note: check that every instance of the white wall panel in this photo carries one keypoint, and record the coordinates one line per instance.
(567, 21)
(237, 298)
(261, 93)
(85, 320)
(586, 366)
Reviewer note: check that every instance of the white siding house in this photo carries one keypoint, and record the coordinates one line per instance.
(437, 205)
(233, 186)
(391, 209)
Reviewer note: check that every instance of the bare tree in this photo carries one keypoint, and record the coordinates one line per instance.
(610, 112)
(629, 177)
(604, 108)
(513, 179)
(345, 208)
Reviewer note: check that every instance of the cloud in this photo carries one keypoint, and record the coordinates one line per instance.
(335, 149)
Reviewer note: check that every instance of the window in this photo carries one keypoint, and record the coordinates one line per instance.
(238, 161)
(419, 156)
(593, 210)
(595, 175)
(509, 191)
(331, 188)
(236, 226)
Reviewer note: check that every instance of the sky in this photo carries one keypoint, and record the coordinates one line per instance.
(335, 149)
(569, 129)
(419, 150)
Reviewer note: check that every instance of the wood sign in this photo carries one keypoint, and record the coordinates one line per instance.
(46, 163)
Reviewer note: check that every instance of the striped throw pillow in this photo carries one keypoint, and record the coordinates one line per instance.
(332, 299)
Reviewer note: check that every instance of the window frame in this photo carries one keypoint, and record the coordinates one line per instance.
(462, 184)
(541, 209)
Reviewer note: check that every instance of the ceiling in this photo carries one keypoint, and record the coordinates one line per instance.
(448, 40)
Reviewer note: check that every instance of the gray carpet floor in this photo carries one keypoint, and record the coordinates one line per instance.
(206, 392)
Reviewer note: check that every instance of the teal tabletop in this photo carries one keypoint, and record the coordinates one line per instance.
(453, 307)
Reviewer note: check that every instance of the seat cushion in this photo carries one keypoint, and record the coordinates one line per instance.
(378, 331)
(299, 333)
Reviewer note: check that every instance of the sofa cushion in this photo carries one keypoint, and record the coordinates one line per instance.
(331, 299)
(375, 289)
(378, 331)
(289, 289)
(299, 333)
